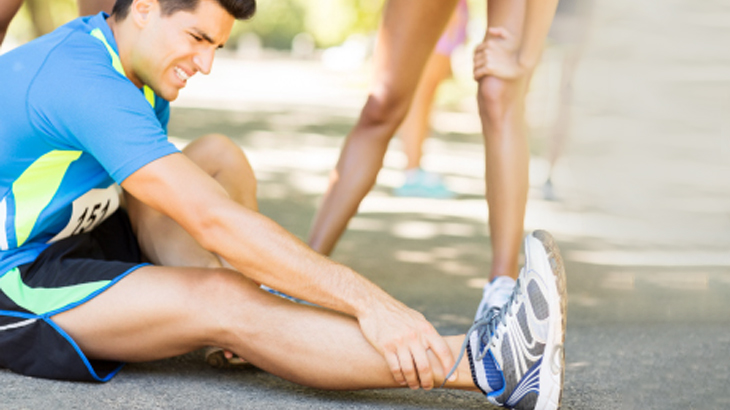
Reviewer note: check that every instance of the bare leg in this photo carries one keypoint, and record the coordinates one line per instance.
(559, 133)
(162, 240)
(571, 29)
(405, 41)
(8, 10)
(416, 126)
(89, 7)
(159, 312)
(501, 106)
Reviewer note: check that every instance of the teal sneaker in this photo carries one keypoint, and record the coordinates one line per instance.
(423, 184)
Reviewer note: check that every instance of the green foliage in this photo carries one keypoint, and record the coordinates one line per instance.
(276, 22)
(330, 22)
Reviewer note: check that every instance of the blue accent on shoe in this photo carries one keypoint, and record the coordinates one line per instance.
(530, 382)
(495, 377)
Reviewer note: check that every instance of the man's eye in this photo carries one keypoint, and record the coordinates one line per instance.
(196, 37)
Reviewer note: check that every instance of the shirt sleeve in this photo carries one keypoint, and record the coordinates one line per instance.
(79, 102)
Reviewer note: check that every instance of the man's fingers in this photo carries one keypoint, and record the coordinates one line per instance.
(406, 365)
(395, 369)
(441, 350)
(423, 366)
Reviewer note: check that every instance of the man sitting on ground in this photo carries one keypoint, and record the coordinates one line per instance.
(84, 111)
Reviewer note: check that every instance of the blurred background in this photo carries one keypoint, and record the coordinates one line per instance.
(629, 118)
(628, 112)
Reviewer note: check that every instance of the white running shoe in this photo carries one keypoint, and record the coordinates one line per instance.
(516, 352)
(495, 294)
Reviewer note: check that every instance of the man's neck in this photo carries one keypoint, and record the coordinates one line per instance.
(121, 35)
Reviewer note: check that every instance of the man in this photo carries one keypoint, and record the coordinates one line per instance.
(84, 109)
(503, 65)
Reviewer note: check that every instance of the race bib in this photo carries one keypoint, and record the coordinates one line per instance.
(90, 210)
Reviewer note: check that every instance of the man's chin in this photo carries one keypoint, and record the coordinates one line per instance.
(169, 94)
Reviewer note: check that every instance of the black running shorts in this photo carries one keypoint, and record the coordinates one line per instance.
(68, 273)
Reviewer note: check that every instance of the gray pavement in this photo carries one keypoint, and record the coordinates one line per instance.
(642, 220)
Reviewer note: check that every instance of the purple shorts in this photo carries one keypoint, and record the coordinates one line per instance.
(455, 32)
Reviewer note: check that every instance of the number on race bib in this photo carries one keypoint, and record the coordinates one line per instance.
(89, 217)
(90, 210)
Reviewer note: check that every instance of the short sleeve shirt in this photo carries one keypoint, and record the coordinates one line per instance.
(72, 127)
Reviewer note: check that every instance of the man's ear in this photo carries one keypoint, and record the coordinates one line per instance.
(141, 11)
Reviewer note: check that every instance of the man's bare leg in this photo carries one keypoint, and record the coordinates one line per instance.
(162, 240)
(406, 39)
(160, 312)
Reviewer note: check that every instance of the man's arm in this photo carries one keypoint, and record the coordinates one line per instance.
(267, 253)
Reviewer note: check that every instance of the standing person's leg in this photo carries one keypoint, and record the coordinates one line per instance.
(8, 10)
(416, 126)
(89, 7)
(160, 312)
(407, 36)
(501, 106)
(415, 130)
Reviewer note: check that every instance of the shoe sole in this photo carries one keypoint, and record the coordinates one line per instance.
(552, 371)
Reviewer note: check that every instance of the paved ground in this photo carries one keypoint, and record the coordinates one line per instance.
(642, 220)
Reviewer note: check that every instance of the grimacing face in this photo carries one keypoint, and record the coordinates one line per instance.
(171, 49)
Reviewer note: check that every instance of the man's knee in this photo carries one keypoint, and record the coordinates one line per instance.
(217, 152)
(213, 146)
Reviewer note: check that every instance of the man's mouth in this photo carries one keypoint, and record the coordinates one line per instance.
(181, 74)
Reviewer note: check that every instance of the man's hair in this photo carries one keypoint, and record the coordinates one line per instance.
(239, 9)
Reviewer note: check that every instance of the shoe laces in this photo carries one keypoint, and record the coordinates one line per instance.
(486, 327)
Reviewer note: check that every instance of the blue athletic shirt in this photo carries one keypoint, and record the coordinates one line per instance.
(72, 127)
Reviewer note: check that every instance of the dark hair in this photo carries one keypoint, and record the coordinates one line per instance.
(239, 9)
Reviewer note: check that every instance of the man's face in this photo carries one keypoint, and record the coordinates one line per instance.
(173, 48)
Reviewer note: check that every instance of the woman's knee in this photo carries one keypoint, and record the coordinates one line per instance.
(387, 107)
(496, 97)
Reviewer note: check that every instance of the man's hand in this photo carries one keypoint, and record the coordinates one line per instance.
(403, 336)
(498, 56)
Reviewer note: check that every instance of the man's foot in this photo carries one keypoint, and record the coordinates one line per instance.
(516, 352)
(216, 357)
(495, 294)
(423, 184)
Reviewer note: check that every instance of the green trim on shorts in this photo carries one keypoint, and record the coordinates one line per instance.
(44, 300)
